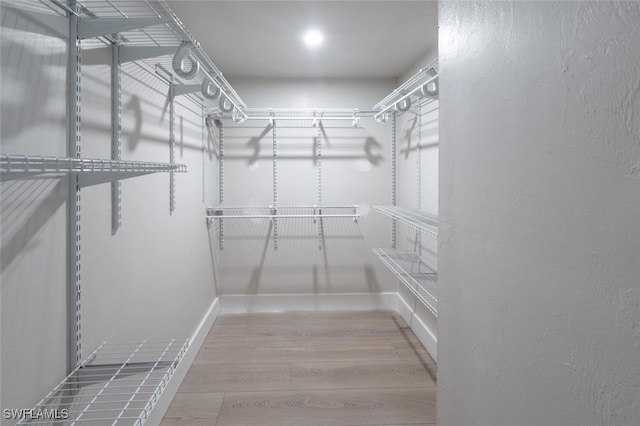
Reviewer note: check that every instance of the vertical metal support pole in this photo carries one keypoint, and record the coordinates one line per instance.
(172, 145)
(418, 244)
(203, 127)
(116, 133)
(275, 183)
(221, 186)
(74, 87)
(319, 156)
(393, 176)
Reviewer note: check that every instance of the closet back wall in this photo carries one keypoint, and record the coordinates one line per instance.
(153, 279)
(355, 168)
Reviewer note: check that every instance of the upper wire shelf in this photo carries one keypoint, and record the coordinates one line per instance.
(284, 116)
(92, 171)
(276, 211)
(423, 84)
(420, 278)
(172, 42)
(118, 384)
(416, 218)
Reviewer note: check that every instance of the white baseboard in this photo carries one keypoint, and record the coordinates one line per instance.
(426, 336)
(308, 302)
(195, 342)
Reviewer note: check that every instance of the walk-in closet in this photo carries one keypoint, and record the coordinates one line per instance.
(319, 212)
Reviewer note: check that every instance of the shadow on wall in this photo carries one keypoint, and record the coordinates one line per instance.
(25, 77)
(345, 145)
(309, 259)
(27, 205)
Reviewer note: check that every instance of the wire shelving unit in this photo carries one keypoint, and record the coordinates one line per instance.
(423, 84)
(92, 171)
(415, 218)
(283, 211)
(118, 384)
(155, 44)
(416, 274)
(298, 117)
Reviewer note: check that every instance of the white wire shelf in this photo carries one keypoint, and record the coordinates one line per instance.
(420, 278)
(341, 117)
(278, 211)
(168, 34)
(118, 384)
(102, 170)
(423, 84)
(416, 218)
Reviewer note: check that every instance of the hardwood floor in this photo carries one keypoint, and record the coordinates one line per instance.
(308, 368)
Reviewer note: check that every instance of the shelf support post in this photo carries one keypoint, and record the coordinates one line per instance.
(172, 145)
(275, 181)
(418, 243)
(393, 176)
(221, 186)
(74, 87)
(319, 165)
(116, 132)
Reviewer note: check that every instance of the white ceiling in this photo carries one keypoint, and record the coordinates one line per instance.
(364, 39)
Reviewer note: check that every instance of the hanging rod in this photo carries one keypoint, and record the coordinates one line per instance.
(418, 84)
(289, 114)
(262, 211)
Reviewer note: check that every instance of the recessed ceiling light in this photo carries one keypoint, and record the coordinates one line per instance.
(313, 38)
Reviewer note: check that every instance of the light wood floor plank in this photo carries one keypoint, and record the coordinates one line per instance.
(303, 368)
(193, 409)
(237, 377)
(329, 408)
(369, 375)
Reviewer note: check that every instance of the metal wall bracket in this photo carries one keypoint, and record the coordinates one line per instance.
(98, 27)
(185, 89)
(130, 53)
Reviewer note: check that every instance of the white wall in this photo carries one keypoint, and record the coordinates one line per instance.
(346, 264)
(153, 279)
(540, 206)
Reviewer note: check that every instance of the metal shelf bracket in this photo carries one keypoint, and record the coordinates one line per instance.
(99, 27)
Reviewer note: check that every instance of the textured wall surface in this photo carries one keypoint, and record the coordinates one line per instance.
(540, 207)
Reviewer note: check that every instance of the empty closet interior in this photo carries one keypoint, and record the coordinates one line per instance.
(144, 192)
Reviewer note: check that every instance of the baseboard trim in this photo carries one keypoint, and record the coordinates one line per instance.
(308, 302)
(195, 342)
(426, 336)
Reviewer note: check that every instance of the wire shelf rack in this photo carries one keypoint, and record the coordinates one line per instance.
(416, 218)
(417, 85)
(278, 211)
(41, 164)
(290, 117)
(420, 278)
(170, 34)
(118, 384)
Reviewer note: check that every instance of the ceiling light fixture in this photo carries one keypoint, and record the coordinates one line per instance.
(313, 38)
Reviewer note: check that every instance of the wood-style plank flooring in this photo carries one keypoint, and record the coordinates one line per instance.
(311, 368)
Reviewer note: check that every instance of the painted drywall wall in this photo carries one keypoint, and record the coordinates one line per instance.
(417, 157)
(355, 166)
(32, 213)
(153, 279)
(540, 201)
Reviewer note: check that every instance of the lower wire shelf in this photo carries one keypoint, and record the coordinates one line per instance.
(420, 278)
(118, 384)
